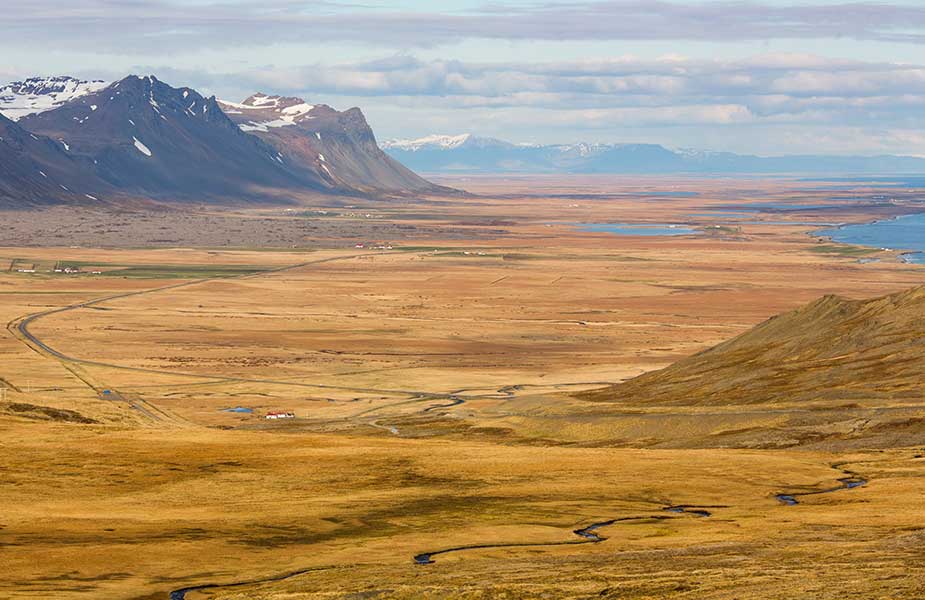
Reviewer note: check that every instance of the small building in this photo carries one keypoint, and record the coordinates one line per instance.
(279, 415)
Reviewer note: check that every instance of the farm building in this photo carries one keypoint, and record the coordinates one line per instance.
(280, 415)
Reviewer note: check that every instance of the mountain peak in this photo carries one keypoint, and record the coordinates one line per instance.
(150, 86)
(144, 135)
(141, 136)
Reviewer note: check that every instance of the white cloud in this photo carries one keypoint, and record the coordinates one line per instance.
(753, 104)
(165, 26)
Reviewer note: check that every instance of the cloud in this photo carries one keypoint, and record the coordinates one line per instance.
(782, 103)
(631, 91)
(215, 45)
(763, 84)
(130, 26)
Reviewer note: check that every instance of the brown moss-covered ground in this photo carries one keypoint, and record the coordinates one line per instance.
(448, 392)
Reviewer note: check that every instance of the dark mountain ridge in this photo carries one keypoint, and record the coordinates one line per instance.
(146, 137)
(142, 139)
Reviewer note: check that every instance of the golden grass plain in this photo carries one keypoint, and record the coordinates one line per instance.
(433, 386)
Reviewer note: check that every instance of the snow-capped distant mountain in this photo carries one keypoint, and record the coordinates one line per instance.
(39, 94)
(465, 153)
(443, 142)
(471, 154)
(431, 141)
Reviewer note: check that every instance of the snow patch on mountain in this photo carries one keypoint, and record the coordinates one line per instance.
(142, 148)
(298, 110)
(266, 125)
(582, 149)
(697, 154)
(264, 101)
(268, 112)
(40, 94)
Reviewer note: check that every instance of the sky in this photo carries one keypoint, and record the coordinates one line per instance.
(751, 76)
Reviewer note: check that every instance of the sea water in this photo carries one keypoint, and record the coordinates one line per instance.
(901, 233)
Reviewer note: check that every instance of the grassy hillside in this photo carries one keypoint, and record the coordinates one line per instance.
(830, 350)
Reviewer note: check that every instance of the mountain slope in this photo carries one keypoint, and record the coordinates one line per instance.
(39, 94)
(831, 350)
(147, 137)
(35, 171)
(336, 148)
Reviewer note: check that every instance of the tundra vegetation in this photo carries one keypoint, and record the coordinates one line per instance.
(532, 410)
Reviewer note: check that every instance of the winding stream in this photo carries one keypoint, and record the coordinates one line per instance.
(587, 535)
(847, 483)
(181, 593)
(454, 401)
(691, 510)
